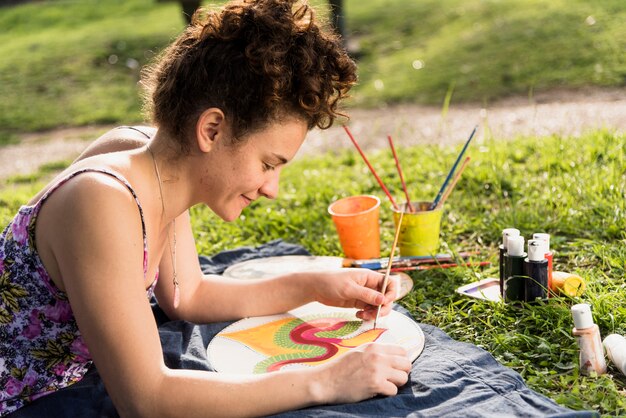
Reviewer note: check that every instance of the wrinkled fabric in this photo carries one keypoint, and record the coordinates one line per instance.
(221, 261)
(452, 379)
(449, 378)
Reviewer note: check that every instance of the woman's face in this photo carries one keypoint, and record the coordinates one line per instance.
(236, 175)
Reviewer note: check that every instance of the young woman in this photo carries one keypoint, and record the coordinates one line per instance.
(232, 100)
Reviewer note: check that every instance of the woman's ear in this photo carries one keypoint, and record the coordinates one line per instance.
(211, 126)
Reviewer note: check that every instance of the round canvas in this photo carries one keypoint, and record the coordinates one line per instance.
(261, 268)
(305, 337)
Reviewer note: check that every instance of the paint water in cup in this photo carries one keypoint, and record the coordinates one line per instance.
(419, 233)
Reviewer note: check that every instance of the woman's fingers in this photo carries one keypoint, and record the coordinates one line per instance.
(393, 364)
(368, 313)
(373, 369)
(366, 296)
(388, 388)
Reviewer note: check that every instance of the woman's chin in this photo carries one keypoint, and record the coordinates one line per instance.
(229, 216)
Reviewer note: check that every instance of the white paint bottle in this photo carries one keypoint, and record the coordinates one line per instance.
(615, 346)
(589, 340)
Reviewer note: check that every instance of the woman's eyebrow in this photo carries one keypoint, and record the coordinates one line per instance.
(280, 158)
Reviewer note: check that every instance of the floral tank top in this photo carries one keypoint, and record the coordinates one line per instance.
(41, 348)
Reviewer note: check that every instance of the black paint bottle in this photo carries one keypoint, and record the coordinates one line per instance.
(549, 255)
(536, 268)
(506, 233)
(514, 280)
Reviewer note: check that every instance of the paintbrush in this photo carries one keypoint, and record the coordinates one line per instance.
(393, 250)
(381, 263)
(380, 182)
(441, 266)
(449, 176)
(457, 176)
(395, 157)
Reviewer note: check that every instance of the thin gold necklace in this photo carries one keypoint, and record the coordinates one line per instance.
(173, 224)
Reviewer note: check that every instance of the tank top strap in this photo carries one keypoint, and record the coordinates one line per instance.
(119, 178)
(133, 128)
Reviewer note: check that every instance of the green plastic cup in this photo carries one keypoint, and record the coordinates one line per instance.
(419, 233)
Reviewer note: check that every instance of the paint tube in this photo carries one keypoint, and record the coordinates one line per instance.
(591, 356)
(615, 346)
(508, 232)
(536, 268)
(514, 280)
(549, 255)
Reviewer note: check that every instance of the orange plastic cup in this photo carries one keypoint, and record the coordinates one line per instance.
(356, 220)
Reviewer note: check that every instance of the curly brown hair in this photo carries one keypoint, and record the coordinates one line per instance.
(257, 61)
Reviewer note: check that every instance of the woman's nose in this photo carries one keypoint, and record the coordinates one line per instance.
(269, 189)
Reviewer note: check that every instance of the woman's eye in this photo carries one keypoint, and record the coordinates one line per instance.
(268, 167)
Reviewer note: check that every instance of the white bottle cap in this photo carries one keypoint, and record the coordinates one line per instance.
(515, 246)
(508, 232)
(536, 250)
(615, 346)
(543, 237)
(582, 316)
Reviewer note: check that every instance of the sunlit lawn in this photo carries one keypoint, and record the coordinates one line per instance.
(69, 63)
(572, 188)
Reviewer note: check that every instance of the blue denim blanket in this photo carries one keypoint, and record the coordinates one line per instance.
(449, 378)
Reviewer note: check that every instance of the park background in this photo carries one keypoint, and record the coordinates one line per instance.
(75, 65)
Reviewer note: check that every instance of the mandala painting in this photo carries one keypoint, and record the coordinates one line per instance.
(305, 337)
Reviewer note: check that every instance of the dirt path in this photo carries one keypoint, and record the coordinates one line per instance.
(564, 113)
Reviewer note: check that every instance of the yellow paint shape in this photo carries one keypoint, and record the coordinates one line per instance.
(261, 339)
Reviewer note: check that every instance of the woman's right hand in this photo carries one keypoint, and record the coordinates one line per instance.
(373, 369)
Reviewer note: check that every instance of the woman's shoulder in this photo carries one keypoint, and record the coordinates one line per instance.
(92, 187)
(95, 171)
(108, 151)
(122, 138)
(88, 205)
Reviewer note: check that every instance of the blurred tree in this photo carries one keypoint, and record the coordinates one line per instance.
(338, 19)
(336, 7)
(189, 7)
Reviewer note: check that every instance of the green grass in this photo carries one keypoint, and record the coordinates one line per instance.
(572, 188)
(69, 63)
(485, 49)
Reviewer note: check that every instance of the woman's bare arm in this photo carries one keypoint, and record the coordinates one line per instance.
(97, 243)
(211, 298)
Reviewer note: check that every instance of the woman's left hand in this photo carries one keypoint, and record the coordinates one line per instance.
(355, 288)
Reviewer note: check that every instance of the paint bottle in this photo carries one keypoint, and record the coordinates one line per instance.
(615, 346)
(536, 268)
(588, 334)
(514, 281)
(549, 255)
(508, 232)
